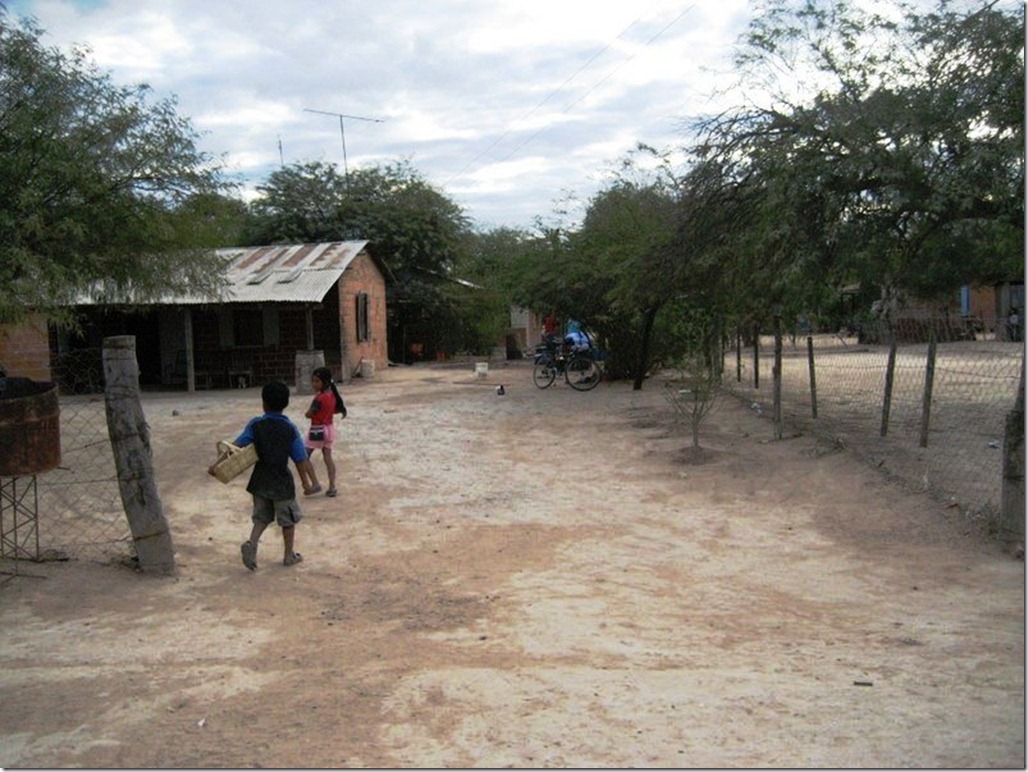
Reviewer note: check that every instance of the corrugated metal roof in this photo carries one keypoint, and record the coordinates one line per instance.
(287, 274)
(295, 273)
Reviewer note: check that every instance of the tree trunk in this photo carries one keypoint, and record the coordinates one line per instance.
(133, 458)
(642, 364)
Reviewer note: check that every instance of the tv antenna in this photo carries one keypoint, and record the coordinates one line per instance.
(342, 132)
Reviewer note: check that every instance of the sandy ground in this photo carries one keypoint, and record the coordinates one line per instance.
(540, 579)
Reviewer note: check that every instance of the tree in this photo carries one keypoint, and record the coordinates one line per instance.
(407, 222)
(210, 219)
(901, 161)
(413, 228)
(610, 274)
(93, 178)
(298, 203)
(490, 262)
(627, 235)
(694, 393)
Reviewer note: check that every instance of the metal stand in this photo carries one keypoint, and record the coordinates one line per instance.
(19, 521)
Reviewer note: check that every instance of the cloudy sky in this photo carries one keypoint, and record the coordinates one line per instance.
(507, 106)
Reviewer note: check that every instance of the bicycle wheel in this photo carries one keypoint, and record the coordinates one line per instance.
(544, 373)
(582, 373)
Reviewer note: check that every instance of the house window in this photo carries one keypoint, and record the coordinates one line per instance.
(363, 328)
(248, 327)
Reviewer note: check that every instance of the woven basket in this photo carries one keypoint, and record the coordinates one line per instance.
(233, 461)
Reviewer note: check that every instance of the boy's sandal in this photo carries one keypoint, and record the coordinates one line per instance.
(293, 559)
(331, 492)
(249, 555)
(312, 491)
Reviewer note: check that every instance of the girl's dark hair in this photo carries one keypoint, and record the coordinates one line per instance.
(324, 375)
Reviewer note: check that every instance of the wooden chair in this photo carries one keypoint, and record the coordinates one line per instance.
(240, 369)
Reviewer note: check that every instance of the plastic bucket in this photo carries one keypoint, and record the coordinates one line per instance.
(306, 363)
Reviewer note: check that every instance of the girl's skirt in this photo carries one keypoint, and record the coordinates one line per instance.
(320, 436)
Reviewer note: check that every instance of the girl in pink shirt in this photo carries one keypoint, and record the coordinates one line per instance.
(322, 434)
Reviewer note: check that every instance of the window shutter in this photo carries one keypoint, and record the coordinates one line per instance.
(363, 327)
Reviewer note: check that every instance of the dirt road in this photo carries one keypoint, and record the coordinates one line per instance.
(540, 579)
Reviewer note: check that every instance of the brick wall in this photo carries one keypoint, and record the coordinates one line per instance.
(271, 362)
(363, 276)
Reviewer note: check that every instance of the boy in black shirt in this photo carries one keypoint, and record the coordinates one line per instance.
(271, 483)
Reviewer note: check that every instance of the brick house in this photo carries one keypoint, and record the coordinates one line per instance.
(286, 307)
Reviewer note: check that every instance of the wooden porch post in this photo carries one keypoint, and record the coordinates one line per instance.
(187, 320)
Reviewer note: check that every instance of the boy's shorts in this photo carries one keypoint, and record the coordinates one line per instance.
(286, 513)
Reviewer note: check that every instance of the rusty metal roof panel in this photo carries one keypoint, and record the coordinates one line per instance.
(299, 273)
(308, 287)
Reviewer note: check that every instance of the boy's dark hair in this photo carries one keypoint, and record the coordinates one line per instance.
(275, 396)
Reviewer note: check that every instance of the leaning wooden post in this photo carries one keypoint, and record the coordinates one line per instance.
(929, 382)
(133, 458)
(890, 375)
(813, 380)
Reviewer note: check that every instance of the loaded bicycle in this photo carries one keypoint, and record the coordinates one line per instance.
(579, 368)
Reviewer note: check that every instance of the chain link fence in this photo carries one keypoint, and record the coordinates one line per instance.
(942, 428)
(77, 506)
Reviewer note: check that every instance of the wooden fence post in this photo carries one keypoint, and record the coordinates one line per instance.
(1011, 524)
(813, 379)
(133, 458)
(776, 375)
(738, 354)
(890, 375)
(929, 382)
(756, 356)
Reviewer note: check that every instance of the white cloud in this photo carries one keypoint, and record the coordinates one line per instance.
(504, 104)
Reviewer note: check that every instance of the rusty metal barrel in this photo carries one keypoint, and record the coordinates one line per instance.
(30, 431)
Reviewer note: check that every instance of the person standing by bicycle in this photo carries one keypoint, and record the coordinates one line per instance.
(575, 339)
(550, 324)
